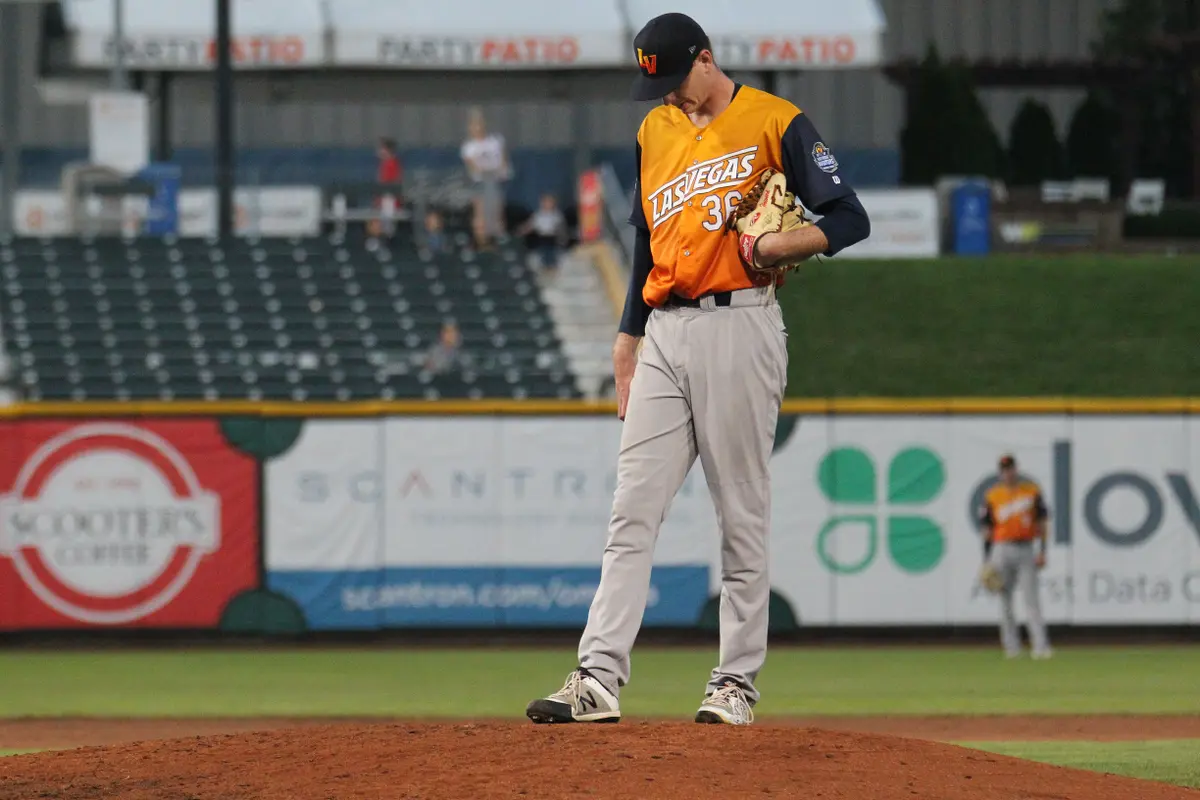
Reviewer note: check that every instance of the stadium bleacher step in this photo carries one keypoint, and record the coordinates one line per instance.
(585, 320)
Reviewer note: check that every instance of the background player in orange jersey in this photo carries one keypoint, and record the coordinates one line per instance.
(1013, 519)
(709, 377)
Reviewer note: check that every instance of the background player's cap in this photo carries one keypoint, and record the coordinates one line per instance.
(665, 50)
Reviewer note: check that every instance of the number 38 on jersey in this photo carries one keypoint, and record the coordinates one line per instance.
(702, 182)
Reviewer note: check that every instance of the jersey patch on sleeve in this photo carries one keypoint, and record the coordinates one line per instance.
(822, 156)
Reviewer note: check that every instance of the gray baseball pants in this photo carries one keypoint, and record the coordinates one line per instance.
(1017, 565)
(708, 383)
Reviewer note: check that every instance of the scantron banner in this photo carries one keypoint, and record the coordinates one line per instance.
(468, 521)
(503, 521)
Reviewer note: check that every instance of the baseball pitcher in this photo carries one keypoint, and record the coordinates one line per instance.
(720, 167)
(1013, 522)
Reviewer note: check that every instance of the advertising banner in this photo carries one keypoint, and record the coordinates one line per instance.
(899, 542)
(123, 524)
(266, 211)
(476, 35)
(197, 51)
(502, 521)
(466, 521)
(904, 224)
(166, 36)
(40, 212)
(385, 49)
(818, 51)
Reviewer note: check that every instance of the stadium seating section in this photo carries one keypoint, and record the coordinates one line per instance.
(314, 319)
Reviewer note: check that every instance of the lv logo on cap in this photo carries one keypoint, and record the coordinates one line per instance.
(647, 62)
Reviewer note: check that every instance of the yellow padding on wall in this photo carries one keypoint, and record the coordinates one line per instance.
(933, 406)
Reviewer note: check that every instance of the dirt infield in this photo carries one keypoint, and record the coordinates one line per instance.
(67, 732)
(843, 758)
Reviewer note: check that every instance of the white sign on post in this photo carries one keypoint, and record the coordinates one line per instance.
(119, 130)
(904, 224)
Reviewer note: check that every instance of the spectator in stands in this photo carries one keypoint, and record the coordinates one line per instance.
(390, 169)
(486, 160)
(446, 353)
(547, 230)
(435, 233)
(390, 172)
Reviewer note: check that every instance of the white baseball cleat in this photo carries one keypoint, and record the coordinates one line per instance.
(1042, 655)
(727, 705)
(581, 699)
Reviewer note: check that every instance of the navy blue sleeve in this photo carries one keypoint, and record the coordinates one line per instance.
(810, 166)
(845, 222)
(637, 214)
(637, 310)
(812, 175)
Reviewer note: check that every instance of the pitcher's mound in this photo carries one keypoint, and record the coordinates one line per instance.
(478, 761)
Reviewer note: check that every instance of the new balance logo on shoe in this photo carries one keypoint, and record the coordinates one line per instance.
(582, 699)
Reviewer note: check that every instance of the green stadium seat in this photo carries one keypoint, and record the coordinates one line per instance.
(315, 319)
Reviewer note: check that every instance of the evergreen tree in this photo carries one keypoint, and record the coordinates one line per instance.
(1138, 32)
(921, 137)
(975, 148)
(1034, 152)
(1092, 139)
(948, 131)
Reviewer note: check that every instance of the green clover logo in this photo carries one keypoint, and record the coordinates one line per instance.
(847, 476)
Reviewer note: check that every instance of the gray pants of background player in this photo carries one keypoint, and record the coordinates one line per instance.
(708, 383)
(1017, 564)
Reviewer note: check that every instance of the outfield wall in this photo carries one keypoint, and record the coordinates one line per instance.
(378, 519)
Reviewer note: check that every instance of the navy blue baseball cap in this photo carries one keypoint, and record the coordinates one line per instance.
(665, 49)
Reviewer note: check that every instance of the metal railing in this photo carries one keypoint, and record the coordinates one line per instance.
(617, 207)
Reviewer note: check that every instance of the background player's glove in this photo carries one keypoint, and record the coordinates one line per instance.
(990, 578)
(768, 208)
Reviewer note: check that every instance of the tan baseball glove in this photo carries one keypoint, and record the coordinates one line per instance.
(767, 208)
(990, 578)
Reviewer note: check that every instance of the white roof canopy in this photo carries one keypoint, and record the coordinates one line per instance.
(477, 34)
(179, 34)
(800, 34)
(467, 34)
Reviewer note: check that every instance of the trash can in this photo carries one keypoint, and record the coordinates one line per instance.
(971, 215)
(162, 211)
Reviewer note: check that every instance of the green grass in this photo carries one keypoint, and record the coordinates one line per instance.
(1106, 326)
(1171, 761)
(16, 752)
(666, 682)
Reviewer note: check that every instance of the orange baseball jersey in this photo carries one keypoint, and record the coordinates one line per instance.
(1013, 512)
(690, 179)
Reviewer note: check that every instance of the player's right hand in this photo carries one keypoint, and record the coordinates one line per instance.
(624, 363)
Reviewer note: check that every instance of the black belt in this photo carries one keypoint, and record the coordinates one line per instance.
(722, 300)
